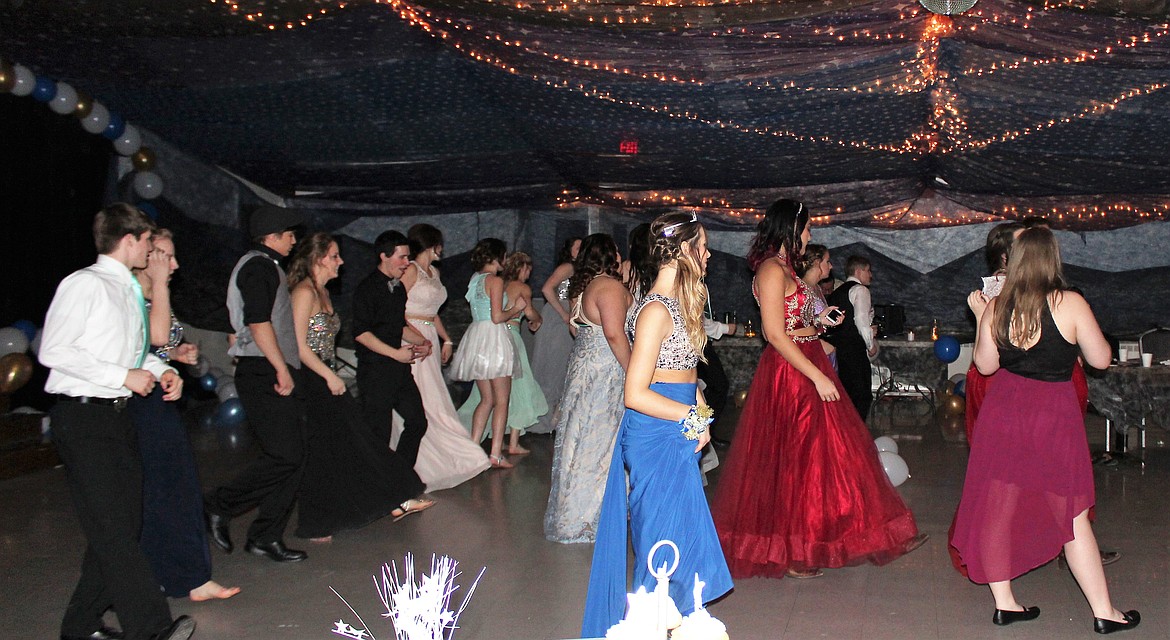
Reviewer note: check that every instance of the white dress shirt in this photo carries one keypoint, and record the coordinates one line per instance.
(862, 311)
(93, 333)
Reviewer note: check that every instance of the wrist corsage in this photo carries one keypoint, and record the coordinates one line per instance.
(695, 424)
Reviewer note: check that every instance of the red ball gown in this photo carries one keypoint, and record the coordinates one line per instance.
(803, 487)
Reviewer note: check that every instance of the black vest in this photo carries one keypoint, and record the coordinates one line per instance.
(844, 335)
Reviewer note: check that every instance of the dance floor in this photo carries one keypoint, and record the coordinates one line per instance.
(534, 589)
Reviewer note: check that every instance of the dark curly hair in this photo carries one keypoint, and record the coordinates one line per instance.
(780, 230)
(598, 256)
(486, 250)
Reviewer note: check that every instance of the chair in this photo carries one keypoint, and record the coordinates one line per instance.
(886, 384)
(1157, 342)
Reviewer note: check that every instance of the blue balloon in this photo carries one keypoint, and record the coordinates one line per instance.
(27, 327)
(114, 130)
(961, 388)
(44, 90)
(149, 209)
(207, 382)
(946, 348)
(229, 413)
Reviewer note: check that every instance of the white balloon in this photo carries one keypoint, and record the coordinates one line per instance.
(65, 102)
(12, 340)
(148, 185)
(895, 467)
(130, 141)
(886, 443)
(25, 80)
(97, 120)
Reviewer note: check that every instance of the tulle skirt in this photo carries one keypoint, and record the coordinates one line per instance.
(525, 401)
(486, 352)
(1028, 476)
(665, 501)
(803, 487)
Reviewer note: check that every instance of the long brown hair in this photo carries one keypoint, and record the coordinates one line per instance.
(1033, 273)
(309, 252)
(668, 233)
(597, 256)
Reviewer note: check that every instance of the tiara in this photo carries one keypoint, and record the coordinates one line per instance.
(669, 229)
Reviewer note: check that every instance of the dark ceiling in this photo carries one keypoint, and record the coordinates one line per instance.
(876, 112)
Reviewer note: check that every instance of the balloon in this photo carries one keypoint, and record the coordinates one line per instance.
(148, 184)
(947, 389)
(741, 398)
(84, 104)
(895, 466)
(27, 327)
(12, 340)
(35, 344)
(44, 90)
(226, 391)
(25, 410)
(954, 429)
(7, 76)
(961, 388)
(15, 370)
(886, 443)
(98, 118)
(129, 142)
(957, 377)
(23, 80)
(149, 209)
(143, 159)
(946, 348)
(207, 382)
(230, 412)
(65, 102)
(115, 128)
(955, 405)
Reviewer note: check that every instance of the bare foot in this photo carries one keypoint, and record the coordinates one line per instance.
(499, 462)
(212, 590)
(517, 450)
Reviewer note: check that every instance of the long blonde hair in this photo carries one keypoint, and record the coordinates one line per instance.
(1033, 273)
(668, 233)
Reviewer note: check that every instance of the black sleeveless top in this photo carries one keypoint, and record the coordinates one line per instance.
(1051, 359)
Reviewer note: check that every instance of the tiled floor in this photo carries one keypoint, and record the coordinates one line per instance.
(535, 589)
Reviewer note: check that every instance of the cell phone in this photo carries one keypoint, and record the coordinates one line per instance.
(836, 315)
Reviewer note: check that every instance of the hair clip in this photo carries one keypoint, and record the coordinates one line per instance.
(668, 230)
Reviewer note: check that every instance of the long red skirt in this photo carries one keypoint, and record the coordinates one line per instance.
(803, 487)
(1028, 476)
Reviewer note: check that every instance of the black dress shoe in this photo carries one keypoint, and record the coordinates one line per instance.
(1004, 618)
(1132, 619)
(217, 526)
(104, 633)
(275, 551)
(181, 629)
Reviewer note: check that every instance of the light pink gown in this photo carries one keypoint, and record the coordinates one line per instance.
(447, 456)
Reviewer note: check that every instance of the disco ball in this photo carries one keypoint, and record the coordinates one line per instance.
(947, 7)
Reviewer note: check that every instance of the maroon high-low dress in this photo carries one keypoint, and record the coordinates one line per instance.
(1029, 473)
(803, 487)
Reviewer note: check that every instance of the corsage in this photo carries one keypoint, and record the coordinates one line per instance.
(695, 424)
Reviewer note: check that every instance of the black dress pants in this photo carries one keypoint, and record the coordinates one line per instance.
(98, 445)
(854, 371)
(386, 387)
(270, 482)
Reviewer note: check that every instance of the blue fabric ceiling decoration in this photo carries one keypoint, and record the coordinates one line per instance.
(875, 113)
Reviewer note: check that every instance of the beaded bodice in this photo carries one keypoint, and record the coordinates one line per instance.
(427, 294)
(480, 301)
(677, 352)
(322, 335)
(800, 307)
(174, 337)
(563, 289)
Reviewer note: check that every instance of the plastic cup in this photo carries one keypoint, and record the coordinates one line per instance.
(1123, 354)
(1147, 359)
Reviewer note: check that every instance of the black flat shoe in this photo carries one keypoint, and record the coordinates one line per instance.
(1132, 619)
(104, 633)
(181, 629)
(275, 551)
(1004, 618)
(217, 527)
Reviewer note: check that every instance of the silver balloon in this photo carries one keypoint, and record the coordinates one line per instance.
(97, 120)
(227, 390)
(25, 81)
(65, 102)
(148, 184)
(129, 142)
(12, 340)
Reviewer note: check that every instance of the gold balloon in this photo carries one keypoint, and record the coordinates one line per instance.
(144, 159)
(84, 105)
(7, 77)
(740, 398)
(15, 370)
(955, 405)
(949, 388)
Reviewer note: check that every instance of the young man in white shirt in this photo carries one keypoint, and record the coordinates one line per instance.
(855, 338)
(96, 345)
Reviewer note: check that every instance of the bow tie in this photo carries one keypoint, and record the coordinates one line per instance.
(393, 284)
